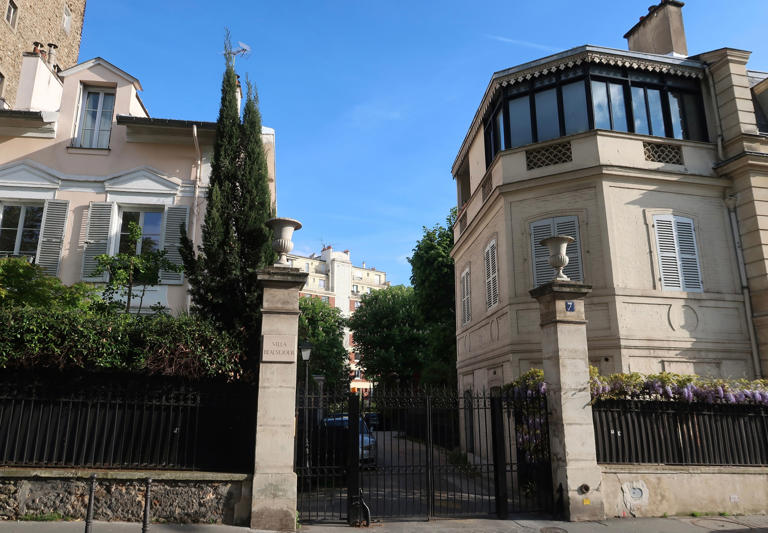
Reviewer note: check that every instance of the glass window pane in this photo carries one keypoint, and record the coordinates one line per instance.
(547, 124)
(88, 139)
(149, 243)
(657, 114)
(129, 216)
(575, 107)
(89, 121)
(152, 223)
(29, 241)
(618, 109)
(500, 130)
(103, 139)
(600, 106)
(126, 246)
(520, 121)
(694, 118)
(676, 115)
(108, 105)
(639, 112)
(7, 240)
(33, 216)
(92, 101)
(11, 215)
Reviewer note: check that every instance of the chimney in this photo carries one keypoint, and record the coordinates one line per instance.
(38, 46)
(660, 31)
(52, 55)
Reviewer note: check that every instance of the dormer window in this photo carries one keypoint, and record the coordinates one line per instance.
(96, 117)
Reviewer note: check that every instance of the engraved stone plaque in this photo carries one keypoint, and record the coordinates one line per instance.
(278, 348)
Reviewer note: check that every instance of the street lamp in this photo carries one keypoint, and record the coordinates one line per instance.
(306, 350)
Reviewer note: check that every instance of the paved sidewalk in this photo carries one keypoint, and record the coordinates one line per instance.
(733, 524)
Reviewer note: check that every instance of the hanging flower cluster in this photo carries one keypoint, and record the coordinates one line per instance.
(676, 387)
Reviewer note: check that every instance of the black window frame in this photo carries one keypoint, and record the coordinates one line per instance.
(665, 84)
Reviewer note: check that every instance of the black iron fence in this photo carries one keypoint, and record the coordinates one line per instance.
(107, 421)
(634, 431)
(421, 454)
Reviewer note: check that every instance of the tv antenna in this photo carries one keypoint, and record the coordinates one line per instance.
(243, 50)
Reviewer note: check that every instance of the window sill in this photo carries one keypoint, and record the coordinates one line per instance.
(88, 151)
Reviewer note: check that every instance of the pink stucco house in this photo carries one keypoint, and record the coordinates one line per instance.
(80, 157)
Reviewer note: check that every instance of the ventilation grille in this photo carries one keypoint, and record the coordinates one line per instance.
(554, 154)
(663, 153)
(486, 188)
(462, 223)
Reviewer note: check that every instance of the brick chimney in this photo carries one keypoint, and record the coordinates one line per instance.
(661, 31)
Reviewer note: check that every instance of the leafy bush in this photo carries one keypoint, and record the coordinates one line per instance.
(55, 338)
(25, 284)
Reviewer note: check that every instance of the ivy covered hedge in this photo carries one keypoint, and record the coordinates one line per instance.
(663, 386)
(66, 339)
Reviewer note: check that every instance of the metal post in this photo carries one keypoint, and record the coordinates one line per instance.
(306, 414)
(147, 505)
(499, 456)
(89, 512)
(430, 462)
(353, 464)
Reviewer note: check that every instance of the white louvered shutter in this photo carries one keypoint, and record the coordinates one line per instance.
(52, 235)
(466, 305)
(97, 238)
(175, 217)
(494, 274)
(688, 254)
(487, 264)
(542, 272)
(667, 250)
(570, 226)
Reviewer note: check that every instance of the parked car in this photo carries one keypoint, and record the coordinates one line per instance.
(373, 420)
(340, 424)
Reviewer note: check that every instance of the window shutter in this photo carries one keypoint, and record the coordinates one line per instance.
(469, 298)
(487, 262)
(494, 275)
(667, 250)
(97, 238)
(570, 226)
(175, 217)
(52, 235)
(466, 305)
(542, 272)
(688, 254)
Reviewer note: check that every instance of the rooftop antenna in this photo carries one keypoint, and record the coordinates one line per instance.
(244, 50)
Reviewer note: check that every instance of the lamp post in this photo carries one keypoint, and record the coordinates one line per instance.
(306, 351)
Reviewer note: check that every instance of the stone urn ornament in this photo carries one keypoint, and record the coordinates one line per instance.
(282, 244)
(558, 259)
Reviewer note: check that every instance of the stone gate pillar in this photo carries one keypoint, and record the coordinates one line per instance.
(566, 371)
(273, 501)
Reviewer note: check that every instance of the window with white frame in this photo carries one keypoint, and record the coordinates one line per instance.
(367, 290)
(547, 227)
(325, 299)
(66, 19)
(355, 288)
(378, 278)
(321, 283)
(466, 297)
(357, 305)
(678, 254)
(20, 229)
(11, 13)
(96, 112)
(151, 224)
(490, 257)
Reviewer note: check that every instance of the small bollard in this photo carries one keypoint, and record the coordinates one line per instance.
(147, 504)
(89, 512)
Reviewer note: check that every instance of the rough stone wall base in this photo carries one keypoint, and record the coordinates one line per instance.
(653, 490)
(173, 500)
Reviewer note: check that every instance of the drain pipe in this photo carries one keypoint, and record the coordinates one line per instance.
(198, 177)
(730, 202)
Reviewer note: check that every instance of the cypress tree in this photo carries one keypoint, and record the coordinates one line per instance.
(235, 239)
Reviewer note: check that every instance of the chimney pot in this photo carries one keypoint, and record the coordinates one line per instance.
(52, 54)
(660, 31)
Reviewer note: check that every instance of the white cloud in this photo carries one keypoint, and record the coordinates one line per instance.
(527, 44)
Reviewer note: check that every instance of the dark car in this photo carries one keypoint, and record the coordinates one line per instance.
(332, 439)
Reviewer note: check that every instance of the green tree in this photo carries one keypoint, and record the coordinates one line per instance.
(126, 272)
(432, 277)
(25, 284)
(323, 326)
(388, 336)
(235, 239)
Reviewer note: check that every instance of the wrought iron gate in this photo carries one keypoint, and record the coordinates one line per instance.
(421, 454)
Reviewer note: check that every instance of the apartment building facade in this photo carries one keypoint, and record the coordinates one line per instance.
(54, 28)
(334, 279)
(82, 158)
(654, 161)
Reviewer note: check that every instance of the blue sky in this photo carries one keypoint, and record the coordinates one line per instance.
(371, 100)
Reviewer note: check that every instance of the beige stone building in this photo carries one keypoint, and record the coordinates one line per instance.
(656, 162)
(333, 278)
(53, 27)
(81, 158)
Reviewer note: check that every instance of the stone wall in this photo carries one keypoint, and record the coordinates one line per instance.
(655, 490)
(43, 22)
(175, 497)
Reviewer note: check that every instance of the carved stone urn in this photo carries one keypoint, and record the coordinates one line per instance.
(282, 244)
(558, 259)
